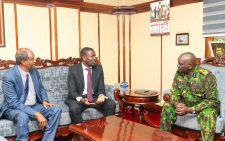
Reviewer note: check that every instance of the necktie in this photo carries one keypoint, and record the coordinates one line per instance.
(89, 85)
(26, 88)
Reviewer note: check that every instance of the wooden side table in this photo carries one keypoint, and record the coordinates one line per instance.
(140, 97)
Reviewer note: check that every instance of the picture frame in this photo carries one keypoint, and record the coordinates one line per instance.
(2, 30)
(182, 39)
(217, 48)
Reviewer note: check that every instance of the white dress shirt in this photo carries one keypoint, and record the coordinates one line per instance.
(85, 72)
(31, 97)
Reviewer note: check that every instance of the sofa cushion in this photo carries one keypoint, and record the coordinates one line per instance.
(3, 139)
(190, 121)
(8, 127)
(54, 80)
(1, 94)
(219, 73)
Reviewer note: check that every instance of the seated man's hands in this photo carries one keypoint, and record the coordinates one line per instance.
(46, 104)
(85, 101)
(182, 109)
(101, 99)
(41, 120)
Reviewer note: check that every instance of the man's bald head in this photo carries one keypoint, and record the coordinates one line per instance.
(186, 62)
(188, 56)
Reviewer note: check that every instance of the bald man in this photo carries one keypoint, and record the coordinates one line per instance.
(194, 90)
(25, 98)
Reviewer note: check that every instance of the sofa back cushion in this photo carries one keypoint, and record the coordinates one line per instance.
(54, 80)
(219, 73)
(1, 93)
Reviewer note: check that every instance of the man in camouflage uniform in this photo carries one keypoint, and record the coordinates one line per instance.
(194, 90)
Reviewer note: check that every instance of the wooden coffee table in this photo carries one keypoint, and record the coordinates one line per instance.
(113, 128)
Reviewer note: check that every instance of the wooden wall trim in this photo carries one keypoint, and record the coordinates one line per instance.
(50, 31)
(99, 37)
(93, 7)
(79, 30)
(124, 49)
(16, 27)
(56, 33)
(118, 48)
(161, 62)
(207, 49)
(129, 52)
(79, 4)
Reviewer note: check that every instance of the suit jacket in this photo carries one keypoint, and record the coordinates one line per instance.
(13, 90)
(76, 82)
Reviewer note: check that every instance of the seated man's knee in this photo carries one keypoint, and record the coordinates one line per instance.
(208, 112)
(57, 109)
(111, 103)
(75, 109)
(21, 119)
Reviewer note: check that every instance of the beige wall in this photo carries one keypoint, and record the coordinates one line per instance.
(182, 21)
(33, 29)
(68, 33)
(145, 54)
(34, 32)
(89, 30)
(8, 52)
(108, 46)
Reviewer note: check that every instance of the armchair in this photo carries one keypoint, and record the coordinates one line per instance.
(188, 125)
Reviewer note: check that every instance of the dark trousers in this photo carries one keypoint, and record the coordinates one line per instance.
(76, 108)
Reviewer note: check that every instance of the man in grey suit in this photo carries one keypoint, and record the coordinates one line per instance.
(86, 87)
(25, 98)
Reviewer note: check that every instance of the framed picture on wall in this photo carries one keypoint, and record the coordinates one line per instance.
(2, 32)
(182, 39)
(217, 48)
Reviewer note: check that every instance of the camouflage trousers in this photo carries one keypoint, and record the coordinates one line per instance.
(206, 119)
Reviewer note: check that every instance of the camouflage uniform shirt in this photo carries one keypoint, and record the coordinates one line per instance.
(198, 91)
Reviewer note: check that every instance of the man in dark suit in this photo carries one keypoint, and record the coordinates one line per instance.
(86, 87)
(25, 97)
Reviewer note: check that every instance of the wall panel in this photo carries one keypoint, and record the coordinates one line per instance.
(68, 33)
(145, 54)
(108, 48)
(89, 30)
(33, 29)
(8, 52)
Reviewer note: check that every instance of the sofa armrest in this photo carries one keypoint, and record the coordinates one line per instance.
(222, 109)
(109, 91)
(166, 95)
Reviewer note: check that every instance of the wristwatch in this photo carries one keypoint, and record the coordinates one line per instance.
(193, 110)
